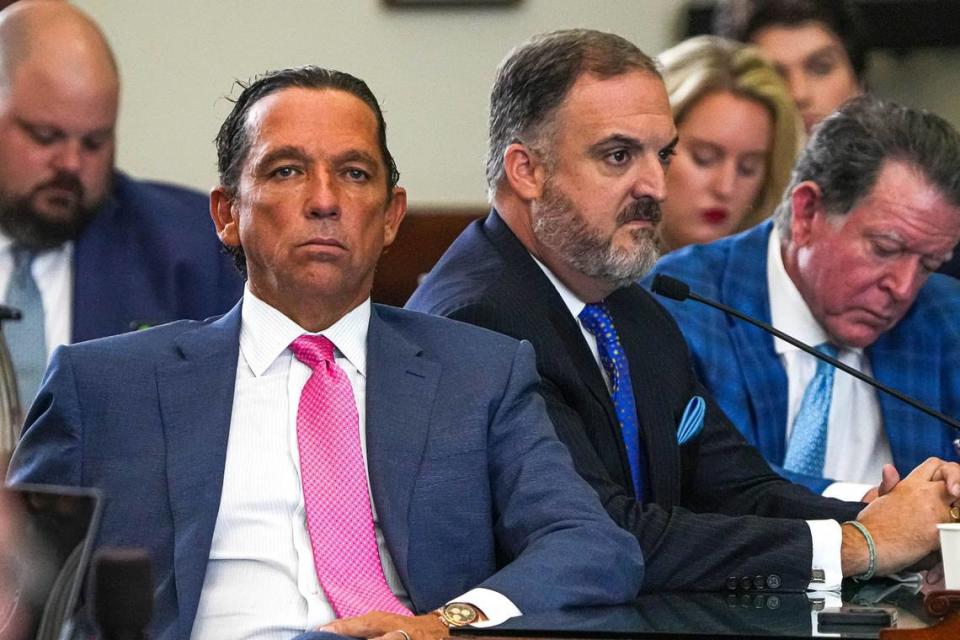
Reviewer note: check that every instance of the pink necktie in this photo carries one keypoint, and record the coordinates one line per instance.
(335, 494)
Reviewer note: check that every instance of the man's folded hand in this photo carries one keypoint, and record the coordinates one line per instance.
(389, 626)
(902, 519)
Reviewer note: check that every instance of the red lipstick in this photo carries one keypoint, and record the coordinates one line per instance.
(716, 215)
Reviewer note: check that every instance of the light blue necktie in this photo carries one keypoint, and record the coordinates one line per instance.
(597, 321)
(26, 338)
(807, 448)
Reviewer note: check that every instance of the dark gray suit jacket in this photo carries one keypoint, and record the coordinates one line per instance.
(719, 516)
(469, 482)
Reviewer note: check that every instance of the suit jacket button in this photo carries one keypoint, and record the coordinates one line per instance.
(773, 581)
(758, 583)
(732, 583)
(773, 602)
(746, 583)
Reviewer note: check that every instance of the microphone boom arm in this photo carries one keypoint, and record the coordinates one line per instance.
(678, 290)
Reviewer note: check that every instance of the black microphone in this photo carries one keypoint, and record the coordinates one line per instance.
(122, 585)
(678, 290)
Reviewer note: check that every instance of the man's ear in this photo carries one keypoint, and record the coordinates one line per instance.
(224, 219)
(396, 211)
(524, 171)
(806, 202)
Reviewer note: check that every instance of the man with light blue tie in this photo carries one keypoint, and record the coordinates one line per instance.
(85, 251)
(847, 264)
(311, 459)
(581, 135)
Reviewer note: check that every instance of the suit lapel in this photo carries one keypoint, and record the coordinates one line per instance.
(401, 385)
(762, 371)
(900, 358)
(196, 403)
(100, 243)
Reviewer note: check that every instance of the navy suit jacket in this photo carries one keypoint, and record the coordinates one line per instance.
(151, 255)
(738, 363)
(700, 531)
(471, 486)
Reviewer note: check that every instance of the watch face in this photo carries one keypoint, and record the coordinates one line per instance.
(458, 614)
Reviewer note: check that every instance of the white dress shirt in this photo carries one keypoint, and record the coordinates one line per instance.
(53, 272)
(857, 445)
(260, 580)
(826, 534)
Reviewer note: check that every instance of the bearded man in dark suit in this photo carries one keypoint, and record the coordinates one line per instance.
(581, 136)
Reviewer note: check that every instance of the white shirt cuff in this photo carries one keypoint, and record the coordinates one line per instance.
(496, 606)
(826, 570)
(849, 491)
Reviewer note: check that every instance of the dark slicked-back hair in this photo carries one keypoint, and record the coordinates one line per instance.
(533, 80)
(233, 143)
(233, 140)
(849, 148)
(741, 19)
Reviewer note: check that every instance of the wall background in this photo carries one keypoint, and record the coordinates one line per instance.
(431, 68)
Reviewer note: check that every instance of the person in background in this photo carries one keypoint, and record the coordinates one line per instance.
(580, 138)
(86, 251)
(819, 49)
(816, 45)
(872, 210)
(739, 135)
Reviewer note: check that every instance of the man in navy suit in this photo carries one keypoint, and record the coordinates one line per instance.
(872, 211)
(86, 251)
(580, 139)
(195, 430)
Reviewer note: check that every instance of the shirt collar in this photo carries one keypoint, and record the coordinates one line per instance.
(266, 333)
(574, 304)
(788, 310)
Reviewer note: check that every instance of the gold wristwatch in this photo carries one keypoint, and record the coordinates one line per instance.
(458, 614)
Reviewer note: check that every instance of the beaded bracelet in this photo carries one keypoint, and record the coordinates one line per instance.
(871, 552)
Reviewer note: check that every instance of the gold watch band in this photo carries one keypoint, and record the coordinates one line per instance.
(458, 614)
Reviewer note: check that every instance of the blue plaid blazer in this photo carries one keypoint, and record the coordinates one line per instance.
(737, 362)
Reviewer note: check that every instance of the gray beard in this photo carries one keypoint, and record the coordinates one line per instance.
(560, 227)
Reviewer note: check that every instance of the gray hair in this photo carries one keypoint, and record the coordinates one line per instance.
(535, 77)
(849, 148)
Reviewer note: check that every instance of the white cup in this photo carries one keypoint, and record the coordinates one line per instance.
(950, 548)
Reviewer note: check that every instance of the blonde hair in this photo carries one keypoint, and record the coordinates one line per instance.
(707, 64)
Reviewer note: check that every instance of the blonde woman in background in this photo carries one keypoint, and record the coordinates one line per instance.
(739, 133)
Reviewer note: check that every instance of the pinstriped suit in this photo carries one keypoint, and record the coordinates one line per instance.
(737, 361)
(488, 278)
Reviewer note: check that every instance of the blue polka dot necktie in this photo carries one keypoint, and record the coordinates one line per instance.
(597, 321)
(807, 448)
